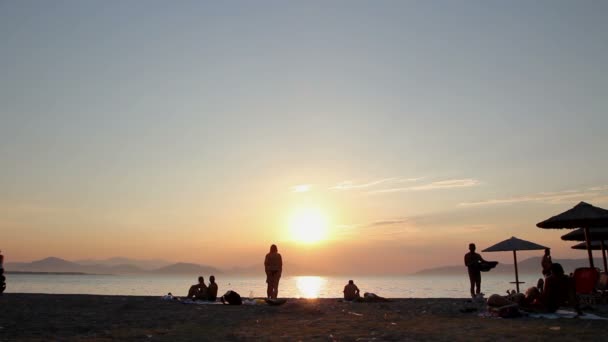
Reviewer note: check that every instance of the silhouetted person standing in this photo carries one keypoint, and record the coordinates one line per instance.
(2, 278)
(546, 262)
(472, 261)
(273, 264)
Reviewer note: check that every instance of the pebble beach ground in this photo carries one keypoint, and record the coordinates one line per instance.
(43, 317)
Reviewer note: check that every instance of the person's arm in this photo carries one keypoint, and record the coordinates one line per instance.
(481, 259)
(266, 262)
(280, 263)
(466, 260)
(356, 290)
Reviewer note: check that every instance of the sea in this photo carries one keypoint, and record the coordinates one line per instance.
(408, 286)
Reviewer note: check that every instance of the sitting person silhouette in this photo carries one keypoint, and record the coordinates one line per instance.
(198, 291)
(351, 291)
(558, 290)
(212, 289)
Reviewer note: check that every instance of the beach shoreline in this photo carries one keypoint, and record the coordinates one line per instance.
(36, 317)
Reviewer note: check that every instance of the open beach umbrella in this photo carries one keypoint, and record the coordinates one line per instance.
(514, 244)
(583, 215)
(597, 236)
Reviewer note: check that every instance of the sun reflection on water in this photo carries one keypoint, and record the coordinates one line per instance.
(309, 286)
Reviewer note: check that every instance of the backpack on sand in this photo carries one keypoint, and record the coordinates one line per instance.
(232, 298)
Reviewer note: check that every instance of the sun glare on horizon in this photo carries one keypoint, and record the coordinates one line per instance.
(308, 225)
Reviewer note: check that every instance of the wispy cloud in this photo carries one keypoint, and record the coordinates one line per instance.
(381, 229)
(438, 185)
(596, 192)
(387, 223)
(301, 188)
(352, 185)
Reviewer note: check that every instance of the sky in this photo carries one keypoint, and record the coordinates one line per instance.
(194, 130)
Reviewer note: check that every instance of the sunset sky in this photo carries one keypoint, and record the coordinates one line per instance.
(205, 131)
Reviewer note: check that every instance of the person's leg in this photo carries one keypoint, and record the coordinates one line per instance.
(276, 289)
(478, 284)
(472, 281)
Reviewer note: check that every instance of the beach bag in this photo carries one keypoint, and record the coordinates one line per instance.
(232, 298)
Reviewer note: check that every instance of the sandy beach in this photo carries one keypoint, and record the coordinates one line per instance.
(37, 317)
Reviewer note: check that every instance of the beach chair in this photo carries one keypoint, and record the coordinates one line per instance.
(602, 287)
(586, 280)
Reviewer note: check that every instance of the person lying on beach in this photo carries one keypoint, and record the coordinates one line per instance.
(528, 300)
(212, 289)
(198, 291)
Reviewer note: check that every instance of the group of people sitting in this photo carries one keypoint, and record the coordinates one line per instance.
(556, 290)
(201, 291)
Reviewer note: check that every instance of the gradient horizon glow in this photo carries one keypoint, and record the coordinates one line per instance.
(193, 131)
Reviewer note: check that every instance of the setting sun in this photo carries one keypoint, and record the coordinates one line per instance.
(308, 225)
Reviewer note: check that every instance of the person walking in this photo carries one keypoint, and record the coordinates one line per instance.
(273, 265)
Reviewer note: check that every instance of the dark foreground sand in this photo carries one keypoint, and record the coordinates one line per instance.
(34, 317)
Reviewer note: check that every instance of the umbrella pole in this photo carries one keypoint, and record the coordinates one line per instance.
(516, 275)
(586, 229)
(604, 255)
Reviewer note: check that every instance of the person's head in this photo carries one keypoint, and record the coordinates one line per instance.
(351, 282)
(274, 249)
(472, 247)
(212, 279)
(201, 280)
(532, 293)
(557, 269)
(547, 251)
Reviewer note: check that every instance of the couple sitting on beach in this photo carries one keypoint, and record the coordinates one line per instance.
(201, 291)
(558, 290)
(351, 294)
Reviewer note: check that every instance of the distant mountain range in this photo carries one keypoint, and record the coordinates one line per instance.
(120, 266)
(58, 265)
(149, 264)
(123, 266)
(527, 266)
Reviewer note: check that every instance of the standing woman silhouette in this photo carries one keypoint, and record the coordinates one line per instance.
(273, 264)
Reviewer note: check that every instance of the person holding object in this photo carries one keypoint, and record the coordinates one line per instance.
(273, 265)
(473, 262)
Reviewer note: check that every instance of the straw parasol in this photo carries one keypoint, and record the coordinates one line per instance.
(583, 215)
(514, 244)
(597, 236)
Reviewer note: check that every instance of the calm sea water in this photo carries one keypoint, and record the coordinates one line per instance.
(290, 286)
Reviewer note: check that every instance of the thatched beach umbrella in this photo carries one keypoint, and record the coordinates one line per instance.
(597, 236)
(514, 244)
(583, 215)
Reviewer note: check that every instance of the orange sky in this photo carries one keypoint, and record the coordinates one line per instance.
(418, 127)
